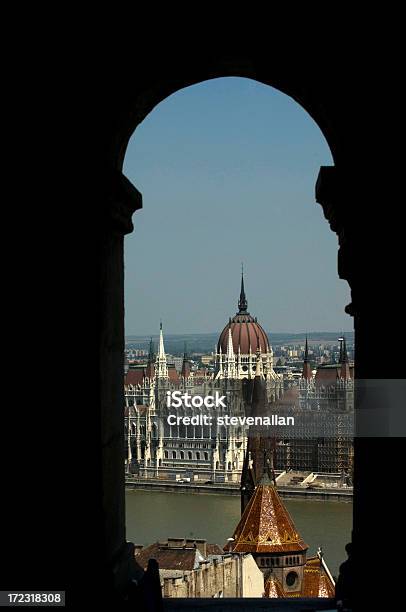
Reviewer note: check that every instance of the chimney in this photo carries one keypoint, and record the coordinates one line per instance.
(200, 544)
(138, 548)
(176, 542)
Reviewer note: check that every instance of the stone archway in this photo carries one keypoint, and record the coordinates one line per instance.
(72, 217)
(324, 100)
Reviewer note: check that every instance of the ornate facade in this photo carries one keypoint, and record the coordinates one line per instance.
(323, 436)
(160, 449)
(243, 349)
(322, 404)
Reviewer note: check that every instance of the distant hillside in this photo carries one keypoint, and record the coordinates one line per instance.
(204, 343)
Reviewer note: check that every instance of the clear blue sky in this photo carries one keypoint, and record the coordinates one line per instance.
(227, 170)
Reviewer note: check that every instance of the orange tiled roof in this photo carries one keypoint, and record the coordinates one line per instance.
(273, 587)
(328, 375)
(134, 377)
(266, 526)
(317, 582)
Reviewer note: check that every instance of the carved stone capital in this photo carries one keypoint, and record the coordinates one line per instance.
(123, 200)
(330, 195)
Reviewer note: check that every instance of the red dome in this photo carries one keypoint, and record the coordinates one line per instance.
(245, 330)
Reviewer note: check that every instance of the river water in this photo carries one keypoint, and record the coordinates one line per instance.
(156, 515)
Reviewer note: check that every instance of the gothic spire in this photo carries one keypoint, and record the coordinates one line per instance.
(307, 370)
(230, 347)
(340, 358)
(229, 363)
(306, 355)
(242, 302)
(344, 356)
(150, 369)
(151, 355)
(161, 349)
(161, 365)
(345, 366)
(185, 373)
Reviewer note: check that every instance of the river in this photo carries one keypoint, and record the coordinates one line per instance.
(156, 515)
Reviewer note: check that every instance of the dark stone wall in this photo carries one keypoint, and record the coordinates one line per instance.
(65, 496)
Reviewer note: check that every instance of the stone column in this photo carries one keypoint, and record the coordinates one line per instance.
(121, 201)
(364, 266)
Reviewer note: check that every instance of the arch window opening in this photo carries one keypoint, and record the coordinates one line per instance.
(230, 266)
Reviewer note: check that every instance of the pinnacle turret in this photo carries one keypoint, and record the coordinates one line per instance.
(161, 365)
(242, 302)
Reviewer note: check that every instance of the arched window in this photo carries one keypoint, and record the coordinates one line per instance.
(166, 454)
(206, 456)
(182, 455)
(173, 454)
(198, 456)
(189, 454)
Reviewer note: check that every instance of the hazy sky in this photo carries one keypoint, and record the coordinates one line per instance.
(227, 170)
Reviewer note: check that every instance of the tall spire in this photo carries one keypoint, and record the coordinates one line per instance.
(344, 357)
(150, 369)
(230, 347)
(307, 370)
(229, 362)
(151, 352)
(242, 302)
(340, 358)
(306, 355)
(268, 475)
(185, 373)
(345, 366)
(161, 365)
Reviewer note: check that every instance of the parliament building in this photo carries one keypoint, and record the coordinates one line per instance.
(321, 402)
(154, 448)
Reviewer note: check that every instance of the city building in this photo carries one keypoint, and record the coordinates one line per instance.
(160, 447)
(194, 568)
(321, 400)
(323, 406)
